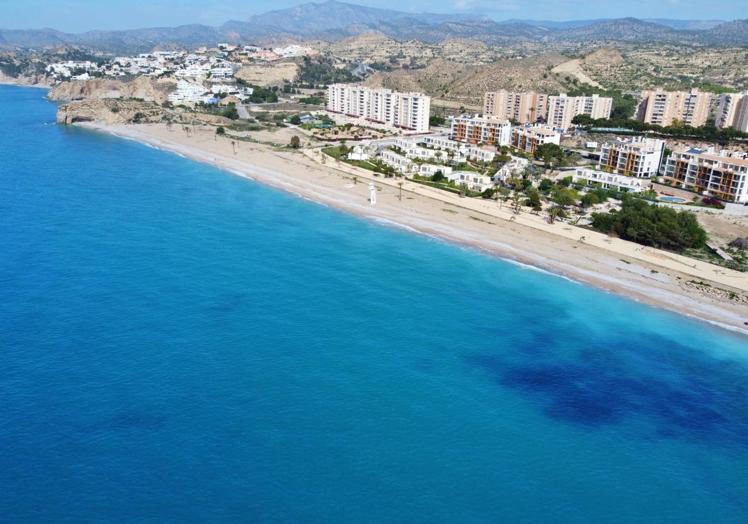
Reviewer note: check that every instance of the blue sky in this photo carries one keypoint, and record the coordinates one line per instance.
(81, 15)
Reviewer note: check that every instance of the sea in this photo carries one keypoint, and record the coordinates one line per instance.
(179, 344)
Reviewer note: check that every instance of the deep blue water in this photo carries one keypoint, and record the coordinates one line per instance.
(178, 344)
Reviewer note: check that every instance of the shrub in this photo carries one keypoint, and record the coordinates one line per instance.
(651, 225)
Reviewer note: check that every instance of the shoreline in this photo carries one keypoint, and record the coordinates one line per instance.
(648, 276)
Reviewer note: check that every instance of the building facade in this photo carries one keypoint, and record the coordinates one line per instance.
(662, 108)
(636, 156)
(523, 108)
(480, 130)
(593, 177)
(529, 138)
(740, 122)
(721, 174)
(562, 109)
(409, 111)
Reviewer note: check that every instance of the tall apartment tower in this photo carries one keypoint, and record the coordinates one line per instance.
(740, 122)
(403, 110)
(662, 108)
(562, 108)
(524, 108)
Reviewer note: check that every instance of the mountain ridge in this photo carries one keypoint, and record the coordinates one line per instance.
(334, 20)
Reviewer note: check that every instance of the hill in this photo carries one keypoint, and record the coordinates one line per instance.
(334, 21)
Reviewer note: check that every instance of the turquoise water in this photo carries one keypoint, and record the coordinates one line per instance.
(178, 344)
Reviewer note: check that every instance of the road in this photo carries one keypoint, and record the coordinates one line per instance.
(243, 113)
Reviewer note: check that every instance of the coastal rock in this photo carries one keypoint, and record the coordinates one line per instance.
(141, 88)
(108, 111)
(25, 80)
(113, 111)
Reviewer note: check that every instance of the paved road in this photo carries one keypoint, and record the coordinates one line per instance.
(243, 113)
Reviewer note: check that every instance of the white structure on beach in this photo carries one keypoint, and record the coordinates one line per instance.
(409, 111)
(470, 179)
(593, 177)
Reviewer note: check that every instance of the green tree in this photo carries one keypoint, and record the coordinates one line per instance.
(651, 225)
(550, 153)
(295, 142)
(545, 185)
(295, 120)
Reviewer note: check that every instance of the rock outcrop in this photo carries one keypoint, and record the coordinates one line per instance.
(142, 88)
(112, 112)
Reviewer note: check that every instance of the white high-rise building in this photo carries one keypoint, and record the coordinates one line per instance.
(562, 108)
(409, 111)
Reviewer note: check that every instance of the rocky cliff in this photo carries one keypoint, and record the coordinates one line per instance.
(113, 111)
(142, 88)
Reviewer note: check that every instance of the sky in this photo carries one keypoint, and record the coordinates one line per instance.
(83, 15)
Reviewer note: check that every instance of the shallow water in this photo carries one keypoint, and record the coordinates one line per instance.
(180, 344)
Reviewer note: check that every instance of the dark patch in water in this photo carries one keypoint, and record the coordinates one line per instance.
(681, 395)
(140, 420)
(228, 303)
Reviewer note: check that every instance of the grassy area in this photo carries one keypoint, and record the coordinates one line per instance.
(446, 186)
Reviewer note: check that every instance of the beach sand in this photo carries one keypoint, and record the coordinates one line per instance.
(656, 277)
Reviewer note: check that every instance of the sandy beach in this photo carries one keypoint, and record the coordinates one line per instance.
(663, 279)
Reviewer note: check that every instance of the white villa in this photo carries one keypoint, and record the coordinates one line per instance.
(592, 177)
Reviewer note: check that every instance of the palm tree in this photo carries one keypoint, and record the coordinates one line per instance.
(553, 213)
(233, 145)
(400, 184)
(516, 203)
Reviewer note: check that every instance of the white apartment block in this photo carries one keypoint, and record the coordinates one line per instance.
(524, 108)
(593, 177)
(456, 151)
(470, 179)
(722, 174)
(529, 138)
(480, 130)
(188, 93)
(636, 156)
(662, 108)
(562, 108)
(514, 168)
(409, 111)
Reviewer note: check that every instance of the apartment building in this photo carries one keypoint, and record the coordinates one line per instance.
(731, 110)
(662, 108)
(593, 177)
(635, 156)
(562, 108)
(722, 174)
(740, 122)
(524, 108)
(409, 111)
(480, 130)
(529, 138)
